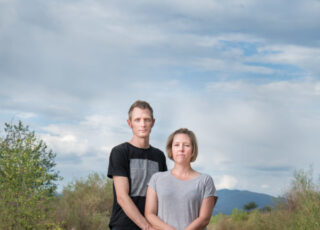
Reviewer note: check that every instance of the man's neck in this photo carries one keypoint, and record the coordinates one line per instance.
(142, 143)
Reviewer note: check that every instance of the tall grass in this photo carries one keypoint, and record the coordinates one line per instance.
(299, 210)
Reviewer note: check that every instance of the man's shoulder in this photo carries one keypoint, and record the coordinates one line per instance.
(157, 154)
(156, 150)
(121, 147)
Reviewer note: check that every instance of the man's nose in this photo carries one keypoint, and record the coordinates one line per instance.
(143, 122)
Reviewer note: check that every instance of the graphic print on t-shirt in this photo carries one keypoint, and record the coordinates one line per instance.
(141, 171)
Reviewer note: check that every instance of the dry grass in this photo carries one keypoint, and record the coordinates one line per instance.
(299, 210)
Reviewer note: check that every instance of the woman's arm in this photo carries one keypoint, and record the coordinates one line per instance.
(151, 211)
(204, 215)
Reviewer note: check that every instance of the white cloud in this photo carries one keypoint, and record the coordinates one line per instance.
(231, 66)
(306, 58)
(65, 140)
(226, 182)
(94, 134)
(24, 115)
(241, 74)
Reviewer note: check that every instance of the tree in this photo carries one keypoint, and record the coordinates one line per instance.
(27, 179)
(250, 206)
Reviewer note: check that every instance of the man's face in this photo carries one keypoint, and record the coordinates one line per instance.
(141, 122)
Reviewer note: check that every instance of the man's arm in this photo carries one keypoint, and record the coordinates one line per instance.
(205, 213)
(121, 185)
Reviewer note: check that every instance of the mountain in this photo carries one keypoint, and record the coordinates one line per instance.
(231, 199)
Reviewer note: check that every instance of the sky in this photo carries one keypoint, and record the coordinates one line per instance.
(244, 75)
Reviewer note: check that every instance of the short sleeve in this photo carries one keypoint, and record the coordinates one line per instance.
(118, 163)
(209, 188)
(153, 181)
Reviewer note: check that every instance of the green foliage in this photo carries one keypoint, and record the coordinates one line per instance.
(304, 201)
(239, 215)
(266, 209)
(86, 204)
(300, 210)
(250, 206)
(216, 218)
(27, 179)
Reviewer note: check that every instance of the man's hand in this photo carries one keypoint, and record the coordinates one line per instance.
(121, 185)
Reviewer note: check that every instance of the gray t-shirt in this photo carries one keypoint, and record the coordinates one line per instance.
(179, 201)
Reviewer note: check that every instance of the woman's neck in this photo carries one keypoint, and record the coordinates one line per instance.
(183, 172)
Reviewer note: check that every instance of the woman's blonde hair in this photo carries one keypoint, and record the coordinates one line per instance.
(193, 140)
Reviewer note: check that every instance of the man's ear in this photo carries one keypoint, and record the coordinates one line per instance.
(129, 123)
(153, 121)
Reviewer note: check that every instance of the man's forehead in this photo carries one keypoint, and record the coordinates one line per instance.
(140, 112)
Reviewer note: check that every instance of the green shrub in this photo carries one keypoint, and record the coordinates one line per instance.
(304, 199)
(216, 218)
(239, 215)
(86, 204)
(27, 179)
(299, 210)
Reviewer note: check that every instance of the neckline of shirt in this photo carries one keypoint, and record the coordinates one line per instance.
(200, 174)
(138, 147)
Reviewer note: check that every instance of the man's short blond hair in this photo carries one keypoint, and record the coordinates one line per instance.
(193, 140)
(141, 105)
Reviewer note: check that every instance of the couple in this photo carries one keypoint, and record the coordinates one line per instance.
(146, 195)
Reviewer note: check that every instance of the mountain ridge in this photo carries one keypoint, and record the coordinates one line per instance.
(231, 199)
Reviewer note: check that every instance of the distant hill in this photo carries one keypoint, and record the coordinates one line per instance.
(231, 199)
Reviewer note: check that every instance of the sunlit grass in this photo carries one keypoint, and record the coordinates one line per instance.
(299, 210)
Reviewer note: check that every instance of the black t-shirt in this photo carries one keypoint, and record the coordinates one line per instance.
(138, 165)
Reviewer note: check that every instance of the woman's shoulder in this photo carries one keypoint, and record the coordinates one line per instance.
(160, 174)
(158, 177)
(205, 177)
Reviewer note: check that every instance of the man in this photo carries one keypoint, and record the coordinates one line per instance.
(131, 166)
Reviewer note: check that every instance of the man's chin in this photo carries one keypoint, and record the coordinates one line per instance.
(143, 135)
(146, 133)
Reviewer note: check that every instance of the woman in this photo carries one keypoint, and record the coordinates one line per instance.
(181, 198)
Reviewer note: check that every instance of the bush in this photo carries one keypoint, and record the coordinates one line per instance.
(304, 202)
(239, 215)
(300, 209)
(250, 206)
(216, 218)
(86, 204)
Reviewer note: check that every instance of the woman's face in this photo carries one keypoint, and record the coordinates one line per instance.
(181, 148)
